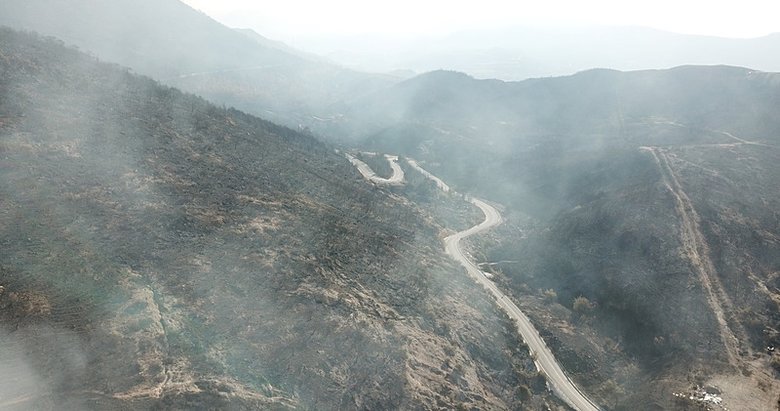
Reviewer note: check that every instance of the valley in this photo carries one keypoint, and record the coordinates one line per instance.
(606, 241)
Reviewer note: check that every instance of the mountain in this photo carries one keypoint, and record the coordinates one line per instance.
(642, 227)
(184, 48)
(599, 104)
(160, 252)
(520, 52)
(278, 45)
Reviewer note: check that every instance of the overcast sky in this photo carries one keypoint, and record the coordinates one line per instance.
(284, 20)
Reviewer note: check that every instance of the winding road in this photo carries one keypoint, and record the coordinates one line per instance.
(439, 183)
(557, 381)
(396, 179)
(544, 359)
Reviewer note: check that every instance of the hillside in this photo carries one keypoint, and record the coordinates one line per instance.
(184, 48)
(278, 45)
(643, 231)
(162, 252)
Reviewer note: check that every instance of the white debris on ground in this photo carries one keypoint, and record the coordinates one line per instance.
(707, 396)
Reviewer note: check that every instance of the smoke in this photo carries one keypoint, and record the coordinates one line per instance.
(36, 362)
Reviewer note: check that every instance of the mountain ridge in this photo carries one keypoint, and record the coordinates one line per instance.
(187, 49)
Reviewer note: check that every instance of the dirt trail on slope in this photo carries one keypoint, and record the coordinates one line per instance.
(696, 249)
(739, 141)
(742, 140)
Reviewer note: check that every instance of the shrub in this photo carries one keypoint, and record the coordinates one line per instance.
(582, 305)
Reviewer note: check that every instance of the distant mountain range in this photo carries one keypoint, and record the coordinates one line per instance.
(516, 53)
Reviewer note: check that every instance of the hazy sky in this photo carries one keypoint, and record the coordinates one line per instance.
(290, 18)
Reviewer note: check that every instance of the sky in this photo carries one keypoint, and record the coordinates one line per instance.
(285, 20)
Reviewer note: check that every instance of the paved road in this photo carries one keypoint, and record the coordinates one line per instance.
(396, 179)
(563, 387)
(441, 184)
(545, 361)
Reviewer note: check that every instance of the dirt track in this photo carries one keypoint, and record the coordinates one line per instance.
(697, 251)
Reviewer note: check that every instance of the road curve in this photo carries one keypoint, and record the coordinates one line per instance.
(396, 179)
(563, 387)
(544, 359)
